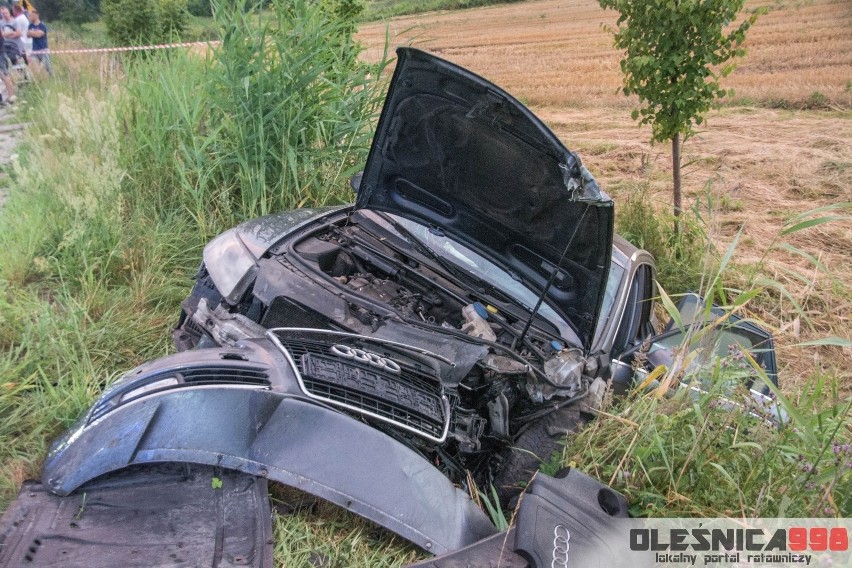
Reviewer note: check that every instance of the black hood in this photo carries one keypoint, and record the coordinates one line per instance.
(455, 152)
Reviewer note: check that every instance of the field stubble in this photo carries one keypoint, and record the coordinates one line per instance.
(780, 147)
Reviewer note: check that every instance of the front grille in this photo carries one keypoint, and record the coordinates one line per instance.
(230, 375)
(192, 327)
(412, 399)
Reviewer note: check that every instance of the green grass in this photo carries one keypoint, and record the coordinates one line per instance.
(685, 457)
(683, 257)
(311, 532)
(92, 34)
(120, 182)
(673, 453)
(123, 178)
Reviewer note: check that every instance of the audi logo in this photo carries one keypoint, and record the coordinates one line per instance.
(561, 536)
(365, 357)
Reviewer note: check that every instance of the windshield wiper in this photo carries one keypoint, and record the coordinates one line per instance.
(461, 277)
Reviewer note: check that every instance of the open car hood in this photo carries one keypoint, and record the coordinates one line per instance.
(454, 152)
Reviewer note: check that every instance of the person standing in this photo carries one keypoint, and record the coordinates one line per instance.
(4, 76)
(14, 31)
(11, 46)
(6, 24)
(22, 24)
(38, 31)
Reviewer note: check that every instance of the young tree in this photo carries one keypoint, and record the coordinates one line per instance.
(676, 51)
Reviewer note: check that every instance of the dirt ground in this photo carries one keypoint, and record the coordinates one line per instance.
(767, 157)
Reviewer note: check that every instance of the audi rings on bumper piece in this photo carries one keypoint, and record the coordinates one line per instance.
(366, 357)
(561, 546)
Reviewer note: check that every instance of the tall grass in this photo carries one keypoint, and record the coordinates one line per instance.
(121, 180)
(675, 451)
(278, 117)
(684, 257)
(687, 456)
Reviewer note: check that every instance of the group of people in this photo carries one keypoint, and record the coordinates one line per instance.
(16, 25)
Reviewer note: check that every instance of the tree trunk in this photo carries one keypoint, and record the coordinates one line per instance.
(676, 173)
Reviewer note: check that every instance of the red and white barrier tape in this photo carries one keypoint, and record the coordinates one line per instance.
(119, 49)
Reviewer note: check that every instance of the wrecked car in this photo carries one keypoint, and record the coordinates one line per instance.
(440, 336)
(462, 303)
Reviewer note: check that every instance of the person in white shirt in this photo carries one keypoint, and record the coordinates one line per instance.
(15, 28)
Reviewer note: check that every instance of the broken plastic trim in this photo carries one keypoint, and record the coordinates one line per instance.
(277, 433)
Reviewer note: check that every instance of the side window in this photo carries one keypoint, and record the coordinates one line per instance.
(636, 322)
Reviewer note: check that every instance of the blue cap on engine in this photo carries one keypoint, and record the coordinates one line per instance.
(480, 310)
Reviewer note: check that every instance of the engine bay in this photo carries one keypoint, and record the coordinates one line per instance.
(356, 297)
(523, 366)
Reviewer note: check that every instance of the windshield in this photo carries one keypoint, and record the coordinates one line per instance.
(487, 271)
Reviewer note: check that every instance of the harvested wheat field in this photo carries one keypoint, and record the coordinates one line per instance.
(781, 146)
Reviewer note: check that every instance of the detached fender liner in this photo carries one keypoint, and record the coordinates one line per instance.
(285, 439)
(152, 515)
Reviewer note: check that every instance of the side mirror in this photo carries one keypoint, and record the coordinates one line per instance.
(733, 332)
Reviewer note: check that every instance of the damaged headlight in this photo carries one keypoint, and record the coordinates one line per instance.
(230, 264)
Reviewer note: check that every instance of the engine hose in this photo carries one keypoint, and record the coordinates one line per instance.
(516, 334)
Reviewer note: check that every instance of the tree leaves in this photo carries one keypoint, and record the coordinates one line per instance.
(673, 50)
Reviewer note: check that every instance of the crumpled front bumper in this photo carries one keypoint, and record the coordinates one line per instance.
(267, 428)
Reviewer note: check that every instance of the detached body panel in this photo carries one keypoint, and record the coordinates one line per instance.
(266, 429)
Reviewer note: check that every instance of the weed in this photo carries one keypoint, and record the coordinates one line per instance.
(325, 535)
(678, 451)
(692, 456)
(491, 502)
(816, 100)
(681, 255)
(120, 184)
(728, 203)
(278, 119)
(835, 166)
